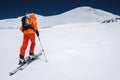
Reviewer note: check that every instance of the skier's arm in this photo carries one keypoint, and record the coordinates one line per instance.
(35, 24)
(35, 27)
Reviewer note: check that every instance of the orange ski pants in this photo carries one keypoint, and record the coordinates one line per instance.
(26, 39)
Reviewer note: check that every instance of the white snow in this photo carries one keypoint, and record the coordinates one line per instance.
(75, 52)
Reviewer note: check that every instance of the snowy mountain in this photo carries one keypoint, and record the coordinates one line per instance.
(80, 15)
(77, 15)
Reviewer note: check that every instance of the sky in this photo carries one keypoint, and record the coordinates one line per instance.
(16, 8)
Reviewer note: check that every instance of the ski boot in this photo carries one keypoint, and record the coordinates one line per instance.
(21, 60)
(31, 56)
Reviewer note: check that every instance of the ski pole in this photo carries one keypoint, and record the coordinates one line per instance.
(42, 49)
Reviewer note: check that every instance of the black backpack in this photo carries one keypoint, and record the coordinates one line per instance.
(25, 23)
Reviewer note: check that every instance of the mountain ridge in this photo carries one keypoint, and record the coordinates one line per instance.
(83, 14)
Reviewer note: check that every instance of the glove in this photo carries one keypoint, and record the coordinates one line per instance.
(37, 33)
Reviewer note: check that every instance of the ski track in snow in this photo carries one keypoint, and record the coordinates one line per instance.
(74, 52)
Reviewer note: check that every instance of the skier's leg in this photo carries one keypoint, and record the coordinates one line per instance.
(32, 46)
(24, 45)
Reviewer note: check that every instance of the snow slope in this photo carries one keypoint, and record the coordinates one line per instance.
(74, 52)
(78, 15)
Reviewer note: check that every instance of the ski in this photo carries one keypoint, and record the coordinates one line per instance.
(30, 61)
(23, 66)
(16, 70)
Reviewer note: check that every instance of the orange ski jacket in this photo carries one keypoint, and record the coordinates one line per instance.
(33, 23)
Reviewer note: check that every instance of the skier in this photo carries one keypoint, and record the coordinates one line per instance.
(29, 28)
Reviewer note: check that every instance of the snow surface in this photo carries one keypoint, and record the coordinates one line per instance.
(74, 51)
